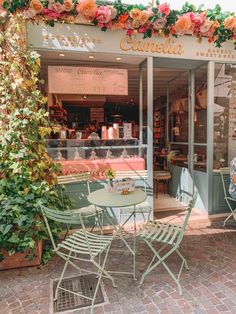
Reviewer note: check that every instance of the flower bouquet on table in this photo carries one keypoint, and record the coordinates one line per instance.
(110, 175)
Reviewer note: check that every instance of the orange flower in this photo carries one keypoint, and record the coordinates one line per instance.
(36, 5)
(144, 17)
(214, 26)
(117, 26)
(68, 5)
(123, 18)
(230, 23)
(136, 23)
(210, 39)
(136, 14)
(87, 8)
(183, 25)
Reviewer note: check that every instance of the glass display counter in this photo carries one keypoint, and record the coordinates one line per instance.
(97, 155)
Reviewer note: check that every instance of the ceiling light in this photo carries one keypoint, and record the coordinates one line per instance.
(91, 57)
(118, 58)
(61, 54)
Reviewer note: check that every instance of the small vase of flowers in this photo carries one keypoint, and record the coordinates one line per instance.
(110, 175)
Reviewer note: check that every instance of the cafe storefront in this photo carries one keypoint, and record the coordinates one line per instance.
(191, 83)
(155, 91)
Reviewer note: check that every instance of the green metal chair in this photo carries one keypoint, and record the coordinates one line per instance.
(225, 175)
(169, 236)
(93, 212)
(79, 246)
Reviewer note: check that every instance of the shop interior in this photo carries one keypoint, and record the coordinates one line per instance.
(94, 126)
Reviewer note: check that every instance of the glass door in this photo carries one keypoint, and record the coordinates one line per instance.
(146, 118)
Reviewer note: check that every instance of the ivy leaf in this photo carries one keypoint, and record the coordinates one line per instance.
(4, 229)
(14, 239)
(154, 10)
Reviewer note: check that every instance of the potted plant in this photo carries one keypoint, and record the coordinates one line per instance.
(28, 175)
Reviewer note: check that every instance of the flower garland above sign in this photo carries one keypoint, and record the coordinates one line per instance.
(218, 26)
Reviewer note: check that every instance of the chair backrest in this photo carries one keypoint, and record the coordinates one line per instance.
(71, 179)
(63, 217)
(74, 178)
(225, 174)
(190, 207)
(134, 174)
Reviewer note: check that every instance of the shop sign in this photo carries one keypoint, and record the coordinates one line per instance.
(87, 80)
(84, 38)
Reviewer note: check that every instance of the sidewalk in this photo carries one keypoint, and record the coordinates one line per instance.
(208, 287)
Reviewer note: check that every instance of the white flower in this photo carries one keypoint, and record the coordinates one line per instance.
(28, 14)
(113, 12)
(206, 26)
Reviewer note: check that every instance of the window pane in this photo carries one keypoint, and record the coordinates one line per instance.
(224, 114)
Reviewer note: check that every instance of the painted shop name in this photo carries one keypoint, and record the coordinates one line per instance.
(169, 46)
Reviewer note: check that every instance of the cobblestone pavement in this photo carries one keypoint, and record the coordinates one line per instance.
(208, 287)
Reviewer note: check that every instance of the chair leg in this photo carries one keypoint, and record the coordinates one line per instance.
(161, 260)
(61, 277)
(102, 269)
(183, 259)
(227, 219)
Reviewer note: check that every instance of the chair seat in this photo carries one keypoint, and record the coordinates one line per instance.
(143, 207)
(80, 241)
(87, 211)
(162, 175)
(160, 232)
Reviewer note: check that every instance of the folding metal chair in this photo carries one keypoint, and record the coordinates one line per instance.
(94, 212)
(168, 236)
(80, 246)
(225, 176)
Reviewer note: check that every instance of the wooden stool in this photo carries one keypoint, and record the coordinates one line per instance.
(161, 176)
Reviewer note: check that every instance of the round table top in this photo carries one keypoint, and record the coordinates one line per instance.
(105, 198)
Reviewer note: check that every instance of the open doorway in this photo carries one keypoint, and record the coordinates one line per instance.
(179, 131)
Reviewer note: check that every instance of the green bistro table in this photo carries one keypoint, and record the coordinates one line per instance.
(108, 199)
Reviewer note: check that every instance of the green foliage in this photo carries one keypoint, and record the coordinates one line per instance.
(187, 7)
(28, 175)
(216, 14)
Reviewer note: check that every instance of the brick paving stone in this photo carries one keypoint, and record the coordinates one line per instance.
(151, 308)
(222, 308)
(208, 287)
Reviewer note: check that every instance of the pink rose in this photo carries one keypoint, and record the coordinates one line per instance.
(51, 14)
(129, 32)
(164, 9)
(198, 20)
(149, 12)
(143, 29)
(159, 23)
(57, 7)
(103, 14)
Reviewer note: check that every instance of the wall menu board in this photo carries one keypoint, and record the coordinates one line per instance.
(87, 80)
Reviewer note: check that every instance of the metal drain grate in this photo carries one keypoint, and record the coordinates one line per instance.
(84, 284)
